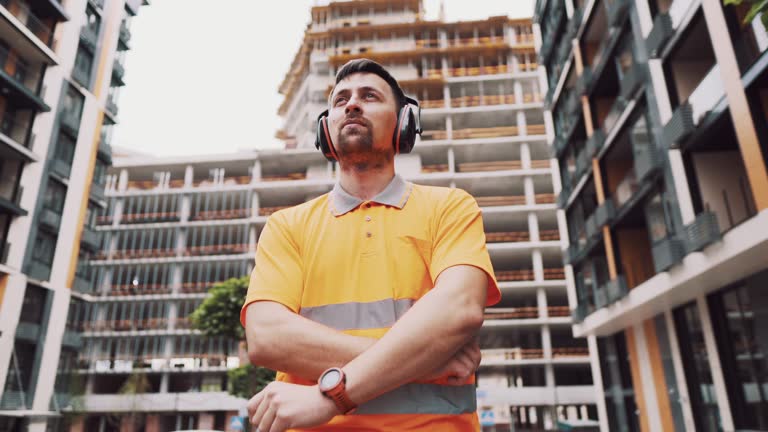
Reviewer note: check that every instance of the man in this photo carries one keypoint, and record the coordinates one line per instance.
(368, 299)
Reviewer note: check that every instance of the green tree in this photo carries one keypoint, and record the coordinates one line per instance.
(757, 7)
(219, 316)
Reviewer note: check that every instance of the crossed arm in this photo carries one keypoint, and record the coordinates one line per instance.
(424, 337)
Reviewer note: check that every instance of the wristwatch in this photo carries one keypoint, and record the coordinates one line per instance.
(333, 385)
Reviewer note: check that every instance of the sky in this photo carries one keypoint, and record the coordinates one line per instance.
(202, 76)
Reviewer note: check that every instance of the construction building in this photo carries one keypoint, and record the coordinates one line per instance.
(175, 226)
(659, 112)
(60, 75)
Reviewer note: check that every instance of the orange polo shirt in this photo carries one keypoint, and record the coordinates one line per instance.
(358, 266)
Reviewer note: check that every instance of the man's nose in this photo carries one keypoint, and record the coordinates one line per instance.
(353, 105)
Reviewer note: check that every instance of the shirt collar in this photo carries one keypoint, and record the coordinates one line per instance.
(395, 195)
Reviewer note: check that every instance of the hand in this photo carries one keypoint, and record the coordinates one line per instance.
(280, 406)
(461, 366)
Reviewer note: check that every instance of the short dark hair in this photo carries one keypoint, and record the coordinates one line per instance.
(365, 65)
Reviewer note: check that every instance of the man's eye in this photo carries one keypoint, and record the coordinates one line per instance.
(370, 95)
(339, 101)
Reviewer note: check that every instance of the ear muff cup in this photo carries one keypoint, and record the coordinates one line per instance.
(323, 140)
(408, 125)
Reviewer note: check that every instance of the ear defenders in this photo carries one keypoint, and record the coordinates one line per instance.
(408, 125)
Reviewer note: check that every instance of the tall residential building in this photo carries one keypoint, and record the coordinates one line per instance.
(60, 72)
(659, 112)
(484, 131)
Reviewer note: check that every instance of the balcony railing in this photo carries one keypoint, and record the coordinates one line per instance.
(702, 232)
(570, 352)
(153, 184)
(89, 37)
(197, 287)
(478, 41)
(221, 249)
(660, 34)
(143, 253)
(240, 180)
(500, 165)
(139, 289)
(494, 201)
(15, 129)
(434, 168)
(131, 218)
(531, 312)
(666, 253)
(159, 323)
(111, 105)
(125, 35)
(528, 275)
(22, 12)
(626, 189)
(222, 214)
(478, 70)
(279, 177)
(511, 354)
(507, 237)
(17, 71)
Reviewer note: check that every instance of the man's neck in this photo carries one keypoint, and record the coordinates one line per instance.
(367, 183)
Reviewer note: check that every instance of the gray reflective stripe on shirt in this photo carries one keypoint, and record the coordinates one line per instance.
(423, 399)
(358, 316)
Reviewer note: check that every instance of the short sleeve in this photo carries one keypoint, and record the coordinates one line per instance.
(460, 240)
(277, 272)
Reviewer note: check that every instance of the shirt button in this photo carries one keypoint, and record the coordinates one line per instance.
(367, 218)
(369, 235)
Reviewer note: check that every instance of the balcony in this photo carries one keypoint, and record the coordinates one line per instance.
(124, 38)
(276, 177)
(483, 70)
(90, 238)
(22, 81)
(17, 130)
(143, 253)
(156, 323)
(81, 75)
(702, 232)
(660, 34)
(139, 289)
(105, 150)
(50, 219)
(647, 163)
(632, 81)
(97, 191)
(72, 340)
(666, 253)
(692, 113)
(605, 213)
(617, 12)
(35, 25)
(616, 289)
(243, 180)
(89, 38)
(595, 143)
(584, 83)
(118, 71)
(39, 270)
(82, 285)
(156, 217)
(222, 214)
(61, 168)
(111, 105)
(219, 249)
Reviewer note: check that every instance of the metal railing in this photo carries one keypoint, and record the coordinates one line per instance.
(23, 13)
(15, 69)
(15, 129)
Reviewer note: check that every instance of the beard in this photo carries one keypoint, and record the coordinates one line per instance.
(356, 148)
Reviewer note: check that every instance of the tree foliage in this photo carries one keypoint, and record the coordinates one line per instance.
(219, 313)
(757, 7)
(245, 381)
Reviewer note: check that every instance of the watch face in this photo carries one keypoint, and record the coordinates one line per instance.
(330, 379)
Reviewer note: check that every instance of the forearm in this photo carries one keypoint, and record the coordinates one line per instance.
(429, 334)
(281, 340)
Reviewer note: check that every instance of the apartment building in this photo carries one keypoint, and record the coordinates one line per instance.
(481, 93)
(658, 112)
(60, 76)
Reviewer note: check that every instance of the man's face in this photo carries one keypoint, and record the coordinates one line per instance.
(362, 118)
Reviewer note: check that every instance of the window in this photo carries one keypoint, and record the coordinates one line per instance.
(697, 372)
(33, 307)
(45, 246)
(10, 172)
(55, 194)
(617, 384)
(740, 321)
(65, 148)
(72, 107)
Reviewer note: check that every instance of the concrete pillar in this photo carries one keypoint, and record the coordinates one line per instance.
(153, 423)
(530, 194)
(533, 227)
(205, 421)
(256, 172)
(449, 127)
(538, 266)
(123, 180)
(522, 123)
(525, 156)
(189, 176)
(517, 90)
